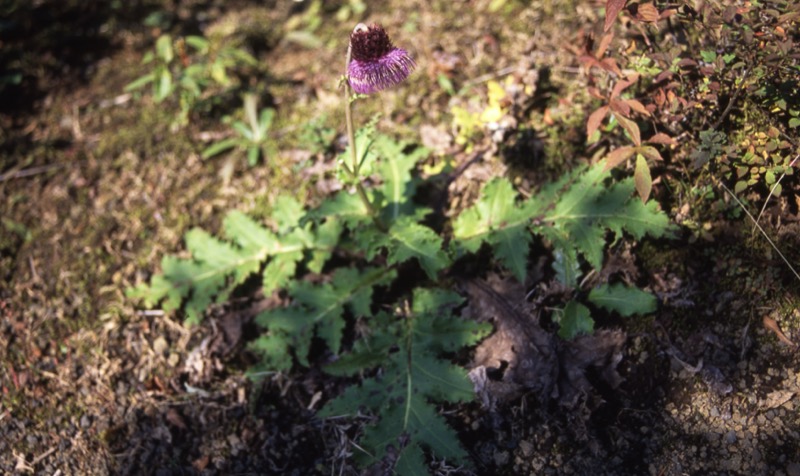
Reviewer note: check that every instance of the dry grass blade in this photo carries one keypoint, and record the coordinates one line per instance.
(755, 222)
(771, 191)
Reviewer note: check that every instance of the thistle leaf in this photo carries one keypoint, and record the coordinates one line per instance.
(623, 299)
(319, 310)
(401, 395)
(588, 207)
(497, 220)
(395, 167)
(575, 320)
(407, 239)
(218, 266)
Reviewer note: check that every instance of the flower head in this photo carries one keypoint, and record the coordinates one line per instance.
(376, 63)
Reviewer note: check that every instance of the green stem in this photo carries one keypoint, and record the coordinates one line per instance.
(354, 169)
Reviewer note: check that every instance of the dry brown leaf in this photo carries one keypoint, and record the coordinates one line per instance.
(623, 84)
(618, 156)
(647, 12)
(777, 398)
(649, 152)
(632, 129)
(637, 106)
(620, 107)
(602, 47)
(610, 64)
(595, 119)
(661, 138)
(613, 7)
(175, 418)
(771, 324)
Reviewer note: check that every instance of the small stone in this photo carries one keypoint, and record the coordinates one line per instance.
(501, 458)
(160, 345)
(86, 422)
(526, 448)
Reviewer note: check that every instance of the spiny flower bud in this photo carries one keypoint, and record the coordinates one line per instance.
(376, 63)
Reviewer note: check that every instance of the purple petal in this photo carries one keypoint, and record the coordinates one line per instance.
(390, 69)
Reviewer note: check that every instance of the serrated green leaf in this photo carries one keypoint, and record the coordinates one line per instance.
(401, 395)
(623, 299)
(273, 350)
(280, 270)
(344, 206)
(588, 208)
(407, 239)
(366, 155)
(394, 167)
(249, 235)
(326, 237)
(511, 247)
(411, 462)
(320, 307)
(496, 219)
(287, 212)
(575, 320)
(219, 255)
(566, 266)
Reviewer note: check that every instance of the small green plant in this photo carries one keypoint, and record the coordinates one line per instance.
(187, 68)
(251, 136)
(379, 235)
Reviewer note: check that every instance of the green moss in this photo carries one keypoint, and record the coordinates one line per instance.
(145, 131)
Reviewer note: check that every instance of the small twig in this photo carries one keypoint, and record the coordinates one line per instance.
(489, 76)
(42, 456)
(34, 274)
(28, 172)
(150, 313)
(731, 102)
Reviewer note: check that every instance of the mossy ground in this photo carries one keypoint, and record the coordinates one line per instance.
(98, 185)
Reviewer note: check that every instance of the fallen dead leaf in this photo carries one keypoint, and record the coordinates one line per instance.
(777, 398)
(772, 325)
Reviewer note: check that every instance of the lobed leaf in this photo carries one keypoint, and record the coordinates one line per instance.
(401, 395)
(318, 309)
(575, 320)
(623, 299)
(496, 219)
(407, 239)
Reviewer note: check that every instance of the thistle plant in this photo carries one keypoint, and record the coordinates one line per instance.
(401, 347)
(373, 64)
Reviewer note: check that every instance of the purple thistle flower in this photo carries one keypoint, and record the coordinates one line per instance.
(376, 63)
